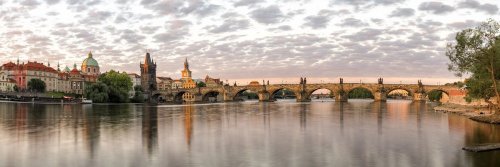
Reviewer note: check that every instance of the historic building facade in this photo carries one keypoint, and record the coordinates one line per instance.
(6, 84)
(67, 81)
(212, 82)
(148, 74)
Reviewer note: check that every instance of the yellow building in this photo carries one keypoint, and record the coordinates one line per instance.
(187, 80)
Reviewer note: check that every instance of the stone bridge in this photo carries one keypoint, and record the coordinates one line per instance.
(302, 91)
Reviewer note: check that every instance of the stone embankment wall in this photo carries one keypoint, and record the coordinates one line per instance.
(458, 97)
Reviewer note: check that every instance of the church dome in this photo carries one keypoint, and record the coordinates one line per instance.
(89, 61)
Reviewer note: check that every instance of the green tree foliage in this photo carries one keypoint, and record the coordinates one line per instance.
(250, 95)
(435, 95)
(477, 52)
(201, 84)
(360, 93)
(98, 92)
(119, 84)
(458, 84)
(37, 85)
(138, 94)
(16, 88)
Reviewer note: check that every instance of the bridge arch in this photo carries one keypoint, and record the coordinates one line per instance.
(310, 92)
(394, 92)
(443, 97)
(211, 96)
(178, 97)
(236, 96)
(272, 93)
(349, 91)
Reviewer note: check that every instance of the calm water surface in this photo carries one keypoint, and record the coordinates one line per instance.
(284, 133)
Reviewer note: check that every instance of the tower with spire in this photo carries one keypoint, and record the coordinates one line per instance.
(148, 74)
(186, 73)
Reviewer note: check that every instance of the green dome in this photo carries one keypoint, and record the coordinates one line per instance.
(89, 61)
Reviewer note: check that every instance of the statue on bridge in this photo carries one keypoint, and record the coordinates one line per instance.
(341, 80)
(305, 80)
(380, 80)
(301, 80)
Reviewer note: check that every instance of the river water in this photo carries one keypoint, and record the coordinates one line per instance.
(284, 133)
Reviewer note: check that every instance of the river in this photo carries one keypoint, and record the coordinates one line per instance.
(283, 133)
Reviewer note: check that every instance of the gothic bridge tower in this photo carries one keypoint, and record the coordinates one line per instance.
(148, 74)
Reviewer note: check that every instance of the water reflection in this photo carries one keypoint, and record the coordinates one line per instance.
(355, 133)
(150, 129)
(188, 123)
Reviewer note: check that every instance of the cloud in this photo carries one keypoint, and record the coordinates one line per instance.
(52, 2)
(247, 2)
(320, 20)
(402, 12)
(352, 22)
(473, 4)
(364, 34)
(30, 3)
(435, 7)
(268, 15)
(230, 25)
(181, 7)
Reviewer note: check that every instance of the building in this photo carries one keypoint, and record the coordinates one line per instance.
(136, 81)
(212, 82)
(164, 83)
(254, 83)
(6, 84)
(187, 80)
(148, 74)
(67, 81)
(22, 73)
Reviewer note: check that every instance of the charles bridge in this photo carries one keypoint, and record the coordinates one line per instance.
(302, 91)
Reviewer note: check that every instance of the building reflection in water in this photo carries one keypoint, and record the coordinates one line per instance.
(91, 126)
(378, 108)
(188, 123)
(150, 129)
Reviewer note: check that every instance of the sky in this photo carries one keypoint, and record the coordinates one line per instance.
(243, 40)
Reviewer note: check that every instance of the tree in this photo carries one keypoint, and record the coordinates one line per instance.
(36, 85)
(360, 93)
(138, 95)
(477, 52)
(201, 84)
(119, 84)
(16, 88)
(435, 95)
(97, 92)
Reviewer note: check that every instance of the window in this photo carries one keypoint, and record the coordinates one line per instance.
(88, 69)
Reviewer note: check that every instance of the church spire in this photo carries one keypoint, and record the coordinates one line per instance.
(186, 64)
(147, 59)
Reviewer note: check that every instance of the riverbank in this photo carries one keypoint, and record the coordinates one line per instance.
(476, 113)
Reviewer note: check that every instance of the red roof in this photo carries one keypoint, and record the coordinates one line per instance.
(30, 66)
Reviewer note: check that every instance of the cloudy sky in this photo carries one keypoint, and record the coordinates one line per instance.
(400, 40)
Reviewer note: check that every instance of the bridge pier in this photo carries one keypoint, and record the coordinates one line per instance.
(302, 97)
(227, 97)
(419, 97)
(341, 97)
(264, 96)
(380, 96)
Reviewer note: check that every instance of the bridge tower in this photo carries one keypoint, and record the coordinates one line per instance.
(148, 75)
